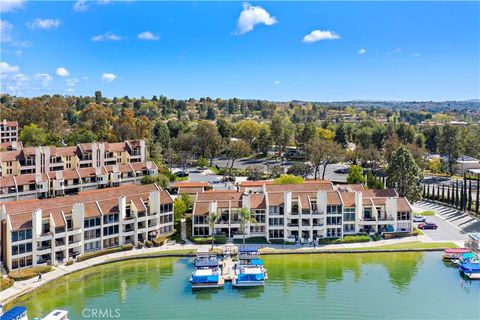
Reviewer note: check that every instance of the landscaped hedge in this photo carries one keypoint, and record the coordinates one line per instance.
(148, 243)
(128, 246)
(140, 245)
(5, 283)
(208, 240)
(251, 240)
(28, 273)
(69, 262)
(95, 254)
(353, 239)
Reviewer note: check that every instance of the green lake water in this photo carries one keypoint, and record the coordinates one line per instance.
(328, 286)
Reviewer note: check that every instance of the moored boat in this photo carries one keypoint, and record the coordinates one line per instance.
(207, 272)
(16, 313)
(57, 315)
(249, 276)
(471, 269)
(452, 254)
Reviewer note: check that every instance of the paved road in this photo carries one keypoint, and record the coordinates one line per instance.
(246, 162)
(452, 224)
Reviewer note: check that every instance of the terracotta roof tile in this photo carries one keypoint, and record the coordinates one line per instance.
(21, 221)
(403, 205)
(258, 201)
(348, 199)
(200, 209)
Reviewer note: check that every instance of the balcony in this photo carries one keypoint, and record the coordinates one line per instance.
(386, 218)
(292, 225)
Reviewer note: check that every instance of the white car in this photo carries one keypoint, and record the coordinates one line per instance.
(419, 218)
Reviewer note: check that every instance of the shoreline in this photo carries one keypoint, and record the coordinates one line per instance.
(16, 291)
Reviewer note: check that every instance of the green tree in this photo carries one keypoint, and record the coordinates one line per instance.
(403, 174)
(282, 131)
(160, 179)
(450, 146)
(237, 149)
(374, 182)
(254, 172)
(212, 219)
(300, 169)
(275, 171)
(179, 208)
(355, 175)
(208, 141)
(98, 96)
(248, 130)
(246, 218)
(322, 153)
(31, 136)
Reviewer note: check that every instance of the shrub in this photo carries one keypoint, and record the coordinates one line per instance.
(90, 255)
(148, 243)
(159, 241)
(251, 240)
(5, 283)
(69, 262)
(208, 240)
(376, 237)
(28, 273)
(352, 239)
(202, 162)
(288, 179)
(140, 245)
(128, 246)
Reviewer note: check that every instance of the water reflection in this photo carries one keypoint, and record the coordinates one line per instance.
(322, 269)
(75, 291)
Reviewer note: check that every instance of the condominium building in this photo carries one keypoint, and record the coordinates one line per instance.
(8, 131)
(84, 155)
(72, 181)
(302, 212)
(50, 231)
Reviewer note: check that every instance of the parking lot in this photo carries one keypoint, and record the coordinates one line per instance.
(453, 225)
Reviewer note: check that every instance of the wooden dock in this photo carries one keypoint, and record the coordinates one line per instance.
(228, 269)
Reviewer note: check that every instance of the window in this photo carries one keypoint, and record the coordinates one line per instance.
(92, 222)
(90, 234)
(112, 242)
(349, 214)
(21, 262)
(110, 218)
(110, 230)
(334, 209)
(21, 248)
(334, 220)
(349, 228)
(275, 234)
(275, 221)
(21, 235)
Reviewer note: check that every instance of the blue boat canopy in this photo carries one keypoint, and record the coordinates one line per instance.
(205, 279)
(14, 313)
(257, 262)
(247, 250)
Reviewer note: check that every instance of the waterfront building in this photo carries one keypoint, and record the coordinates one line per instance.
(51, 231)
(26, 173)
(302, 212)
(72, 181)
(8, 131)
(84, 155)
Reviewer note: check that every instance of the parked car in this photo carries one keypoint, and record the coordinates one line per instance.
(427, 225)
(181, 174)
(341, 171)
(419, 218)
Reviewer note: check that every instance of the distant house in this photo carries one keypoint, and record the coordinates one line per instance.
(466, 163)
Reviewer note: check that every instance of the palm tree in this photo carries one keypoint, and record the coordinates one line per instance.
(245, 217)
(212, 219)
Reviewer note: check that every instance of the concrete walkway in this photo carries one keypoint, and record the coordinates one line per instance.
(21, 287)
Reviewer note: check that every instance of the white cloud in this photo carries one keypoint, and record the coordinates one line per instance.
(362, 51)
(104, 1)
(276, 82)
(19, 77)
(5, 67)
(147, 35)
(80, 6)
(108, 36)
(251, 16)
(6, 29)
(108, 77)
(44, 78)
(72, 82)
(416, 54)
(318, 35)
(85, 78)
(62, 72)
(11, 5)
(45, 24)
(70, 90)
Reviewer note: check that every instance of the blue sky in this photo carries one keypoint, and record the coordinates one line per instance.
(320, 51)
